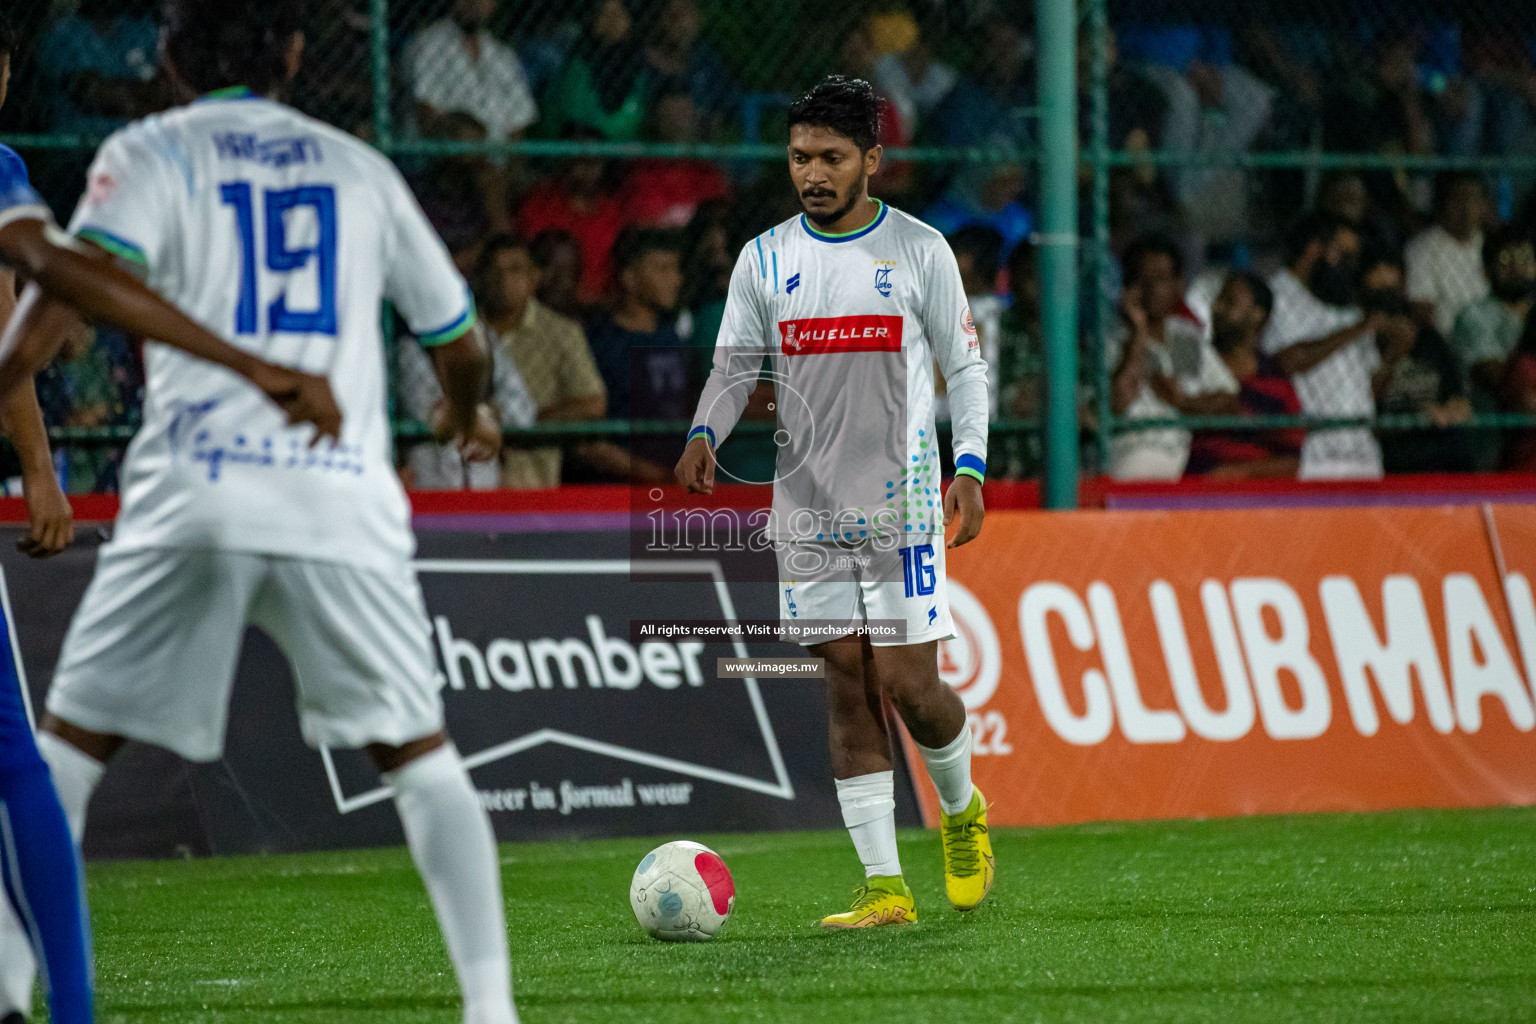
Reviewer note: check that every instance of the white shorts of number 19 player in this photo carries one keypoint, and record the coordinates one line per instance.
(151, 654)
(857, 584)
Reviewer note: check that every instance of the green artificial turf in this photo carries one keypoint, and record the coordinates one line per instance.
(1425, 916)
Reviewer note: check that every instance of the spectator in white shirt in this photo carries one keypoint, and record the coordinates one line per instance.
(457, 66)
(1163, 366)
(1445, 261)
(1318, 336)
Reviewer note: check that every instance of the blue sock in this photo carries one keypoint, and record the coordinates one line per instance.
(41, 871)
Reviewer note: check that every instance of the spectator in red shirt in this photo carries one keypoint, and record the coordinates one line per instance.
(1238, 316)
(663, 193)
(1518, 394)
(576, 199)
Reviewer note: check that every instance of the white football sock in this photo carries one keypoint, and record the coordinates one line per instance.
(454, 849)
(950, 769)
(18, 970)
(75, 775)
(869, 811)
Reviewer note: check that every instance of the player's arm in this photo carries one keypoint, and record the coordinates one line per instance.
(952, 333)
(463, 370)
(739, 351)
(86, 279)
(51, 521)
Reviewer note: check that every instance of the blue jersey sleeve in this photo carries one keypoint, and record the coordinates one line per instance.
(18, 199)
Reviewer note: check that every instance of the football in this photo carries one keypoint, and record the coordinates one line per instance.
(682, 892)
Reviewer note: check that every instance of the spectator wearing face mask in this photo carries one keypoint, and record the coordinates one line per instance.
(1323, 340)
(1419, 375)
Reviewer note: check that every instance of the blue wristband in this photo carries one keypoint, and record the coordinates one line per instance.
(702, 431)
(971, 465)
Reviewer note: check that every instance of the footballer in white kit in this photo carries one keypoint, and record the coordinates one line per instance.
(284, 235)
(852, 303)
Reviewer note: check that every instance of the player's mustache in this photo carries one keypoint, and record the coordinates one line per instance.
(817, 193)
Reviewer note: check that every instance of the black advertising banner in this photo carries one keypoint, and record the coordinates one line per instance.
(571, 724)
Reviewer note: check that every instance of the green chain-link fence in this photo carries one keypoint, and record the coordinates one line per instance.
(1212, 126)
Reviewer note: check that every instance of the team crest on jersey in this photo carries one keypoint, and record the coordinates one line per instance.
(883, 270)
(100, 188)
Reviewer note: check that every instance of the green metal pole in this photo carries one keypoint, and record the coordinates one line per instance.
(1103, 313)
(1056, 31)
(383, 133)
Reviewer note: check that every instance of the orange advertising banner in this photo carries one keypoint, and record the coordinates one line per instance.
(1124, 665)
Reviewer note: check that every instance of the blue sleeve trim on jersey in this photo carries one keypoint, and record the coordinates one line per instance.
(762, 264)
(702, 431)
(452, 331)
(775, 273)
(114, 244)
(971, 465)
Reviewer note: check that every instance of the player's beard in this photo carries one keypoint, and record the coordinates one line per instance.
(855, 193)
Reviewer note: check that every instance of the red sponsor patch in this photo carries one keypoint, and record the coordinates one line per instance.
(823, 334)
(722, 889)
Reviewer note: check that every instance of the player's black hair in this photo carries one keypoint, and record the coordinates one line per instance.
(1154, 244)
(1314, 226)
(1506, 236)
(847, 106)
(216, 44)
(1263, 295)
(983, 244)
(635, 242)
(7, 36)
(1446, 183)
(502, 241)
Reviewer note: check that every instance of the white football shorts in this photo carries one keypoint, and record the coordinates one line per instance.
(151, 653)
(860, 583)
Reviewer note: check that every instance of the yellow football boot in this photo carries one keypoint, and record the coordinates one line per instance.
(968, 862)
(882, 899)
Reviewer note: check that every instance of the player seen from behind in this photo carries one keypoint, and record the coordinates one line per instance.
(853, 302)
(287, 234)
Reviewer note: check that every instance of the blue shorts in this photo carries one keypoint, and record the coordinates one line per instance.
(18, 750)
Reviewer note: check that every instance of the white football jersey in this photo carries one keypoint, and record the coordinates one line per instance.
(283, 236)
(852, 324)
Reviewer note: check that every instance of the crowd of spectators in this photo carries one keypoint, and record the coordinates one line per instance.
(603, 280)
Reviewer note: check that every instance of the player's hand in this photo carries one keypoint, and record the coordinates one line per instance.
(52, 521)
(964, 497)
(305, 397)
(696, 469)
(483, 441)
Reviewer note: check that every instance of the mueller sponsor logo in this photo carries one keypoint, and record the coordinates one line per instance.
(819, 335)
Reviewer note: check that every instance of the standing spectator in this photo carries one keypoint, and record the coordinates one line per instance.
(1318, 336)
(1343, 194)
(100, 66)
(557, 257)
(916, 83)
(577, 199)
(339, 89)
(1518, 392)
(1138, 111)
(1239, 315)
(548, 350)
(856, 59)
(674, 52)
(459, 193)
(978, 252)
(642, 361)
(1020, 365)
(1213, 111)
(605, 83)
(1161, 366)
(1421, 377)
(1445, 261)
(1488, 330)
(991, 109)
(663, 193)
(456, 65)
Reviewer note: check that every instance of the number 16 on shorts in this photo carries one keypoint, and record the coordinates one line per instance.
(917, 570)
